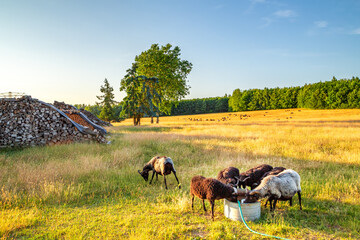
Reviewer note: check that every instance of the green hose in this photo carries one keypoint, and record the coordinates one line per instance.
(263, 234)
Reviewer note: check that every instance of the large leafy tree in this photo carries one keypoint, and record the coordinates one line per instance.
(164, 63)
(141, 95)
(106, 101)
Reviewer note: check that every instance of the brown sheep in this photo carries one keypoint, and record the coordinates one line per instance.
(212, 189)
(229, 175)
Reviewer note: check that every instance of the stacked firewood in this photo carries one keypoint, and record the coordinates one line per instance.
(30, 122)
(94, 119)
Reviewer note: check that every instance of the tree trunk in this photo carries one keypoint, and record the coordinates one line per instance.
(152, 120)
(138, 120)
(134, 120)
(157, 119)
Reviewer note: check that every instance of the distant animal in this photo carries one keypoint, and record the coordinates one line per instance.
(159, 165)
(253, 175)
(229, 175)
(277, 187)
(212, 189)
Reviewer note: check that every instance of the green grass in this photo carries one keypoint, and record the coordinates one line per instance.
(92, 191)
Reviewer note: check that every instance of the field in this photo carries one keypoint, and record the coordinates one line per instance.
(92, 191)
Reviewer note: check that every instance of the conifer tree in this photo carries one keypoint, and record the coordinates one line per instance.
(106, 102)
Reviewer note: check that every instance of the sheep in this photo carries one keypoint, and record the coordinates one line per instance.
(229, 175)
(159, 165)
(277, 187)
(253, 175)
(212, 189)
(274, 171)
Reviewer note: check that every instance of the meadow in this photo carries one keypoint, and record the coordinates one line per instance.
(93, 191)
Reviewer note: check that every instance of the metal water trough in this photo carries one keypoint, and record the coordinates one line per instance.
(251, 211)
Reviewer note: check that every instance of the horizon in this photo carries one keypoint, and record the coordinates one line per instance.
(63, 50)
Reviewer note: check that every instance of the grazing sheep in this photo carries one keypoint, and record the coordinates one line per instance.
(229, 175)
(253, 175)
(159, 165)
(277, 187)
(212, 189)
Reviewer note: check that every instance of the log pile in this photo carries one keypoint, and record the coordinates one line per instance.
(64, 106)
(30, 122)
(78, 119)
(94, 118)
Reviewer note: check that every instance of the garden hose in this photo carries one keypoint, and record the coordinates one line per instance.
(263, 234)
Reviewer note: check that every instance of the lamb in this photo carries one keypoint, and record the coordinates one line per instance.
(212, 189)
(159, 165)
(229, 175)
(253, 175)
(278, 187)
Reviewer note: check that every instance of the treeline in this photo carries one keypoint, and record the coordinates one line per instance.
(200, 106)
(334, 94)
(182, 107)
(344, 93)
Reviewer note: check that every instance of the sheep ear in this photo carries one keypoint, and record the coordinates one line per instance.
(139, 172)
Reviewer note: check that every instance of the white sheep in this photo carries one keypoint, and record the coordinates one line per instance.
(277, 187)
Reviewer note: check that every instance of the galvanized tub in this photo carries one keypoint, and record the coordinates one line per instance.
(251, 211)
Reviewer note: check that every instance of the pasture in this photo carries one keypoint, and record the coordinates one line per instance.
(92, 191)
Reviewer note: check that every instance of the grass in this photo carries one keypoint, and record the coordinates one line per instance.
(92, 191)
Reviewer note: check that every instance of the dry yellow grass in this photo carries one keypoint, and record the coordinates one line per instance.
(94, 191)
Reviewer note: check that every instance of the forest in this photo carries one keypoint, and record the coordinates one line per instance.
(334, 94)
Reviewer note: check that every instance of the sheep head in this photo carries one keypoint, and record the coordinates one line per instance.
(242, 183)
(251, 196)
(231, 182)
(144, 174)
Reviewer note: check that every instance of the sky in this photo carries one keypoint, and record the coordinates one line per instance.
(64, 49)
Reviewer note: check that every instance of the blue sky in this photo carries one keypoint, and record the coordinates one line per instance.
(63, 50)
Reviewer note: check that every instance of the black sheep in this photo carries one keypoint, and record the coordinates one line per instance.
(274, 171)
(253, 175)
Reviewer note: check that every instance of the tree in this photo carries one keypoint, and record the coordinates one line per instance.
(142, 97)
(106, 102)
(164, 63)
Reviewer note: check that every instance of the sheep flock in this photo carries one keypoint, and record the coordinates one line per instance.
(273, 183)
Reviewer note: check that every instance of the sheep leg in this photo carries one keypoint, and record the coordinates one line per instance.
(299, 194)
(176, 179)
(274, 206)
(267, 200)
(152, 177)
(212, 209)
(165, 182)
(270, 200)
(204, 205)
(290, 202)
(192, 202)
